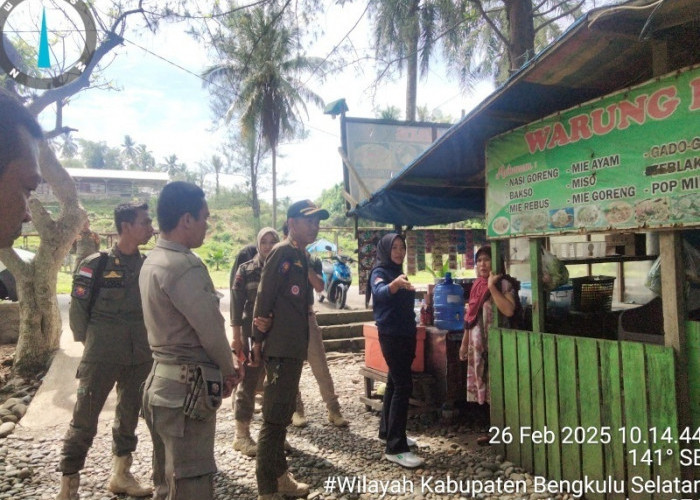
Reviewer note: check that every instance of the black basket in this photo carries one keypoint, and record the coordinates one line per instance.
(593, 293)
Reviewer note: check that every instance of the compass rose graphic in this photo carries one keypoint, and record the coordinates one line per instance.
(46, 48)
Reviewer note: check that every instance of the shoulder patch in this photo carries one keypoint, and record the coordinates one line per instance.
(80, 291)
(284, 267)
(238, 281)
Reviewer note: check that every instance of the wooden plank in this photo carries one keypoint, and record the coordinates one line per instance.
(673, 294)
(692, 329)
(663, 416)
(538, 312)
(525, 402)
(636, 423)
(510, 394)
(539, 421)
(496, 382)
(551, 382)
(611, 411)
(567, 368)
(590, 398)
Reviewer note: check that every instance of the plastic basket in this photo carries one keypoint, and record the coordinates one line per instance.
(593, 293)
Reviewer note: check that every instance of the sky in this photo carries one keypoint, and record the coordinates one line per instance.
(165, 106)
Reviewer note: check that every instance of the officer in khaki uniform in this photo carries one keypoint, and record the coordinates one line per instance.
(106, 315)
(281, 334)
(186, 332)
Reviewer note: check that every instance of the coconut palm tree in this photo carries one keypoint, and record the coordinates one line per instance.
(68, 148)
(217, 165)
(265, 66)
(129, 151)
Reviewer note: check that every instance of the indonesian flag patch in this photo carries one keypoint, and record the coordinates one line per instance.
(86, 272)
(378, 279)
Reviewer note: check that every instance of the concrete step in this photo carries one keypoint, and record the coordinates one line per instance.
(354, 344)
(345, 331)
(343, 316)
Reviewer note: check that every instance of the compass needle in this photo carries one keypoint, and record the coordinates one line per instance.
(44, 60)
(68, 63)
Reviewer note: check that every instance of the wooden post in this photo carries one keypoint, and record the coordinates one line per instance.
(538, 304)
(495, 258)
(672, 293)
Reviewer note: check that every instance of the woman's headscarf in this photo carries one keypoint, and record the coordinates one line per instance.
(479, 293)
(383, 259)
(261, 234)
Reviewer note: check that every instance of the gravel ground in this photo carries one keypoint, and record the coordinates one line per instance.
(28, 459)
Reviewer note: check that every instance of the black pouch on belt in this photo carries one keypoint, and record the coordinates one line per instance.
(204, 395)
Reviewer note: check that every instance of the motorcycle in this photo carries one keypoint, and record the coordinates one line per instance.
(336, 280)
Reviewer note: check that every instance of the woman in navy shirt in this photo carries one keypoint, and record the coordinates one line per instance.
(396, 321)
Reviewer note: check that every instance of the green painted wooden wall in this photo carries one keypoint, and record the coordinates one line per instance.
(541, 380)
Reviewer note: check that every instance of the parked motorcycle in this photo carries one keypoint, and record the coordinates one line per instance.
(337, 278)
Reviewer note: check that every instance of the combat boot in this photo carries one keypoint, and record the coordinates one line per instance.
(336, 418)
(122, 481)
(243, 442)
(288, 486)
(69, 487)
(298, 419)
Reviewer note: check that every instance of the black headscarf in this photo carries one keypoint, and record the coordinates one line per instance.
(383, 259)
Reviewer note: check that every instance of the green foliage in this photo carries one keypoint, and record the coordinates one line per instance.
(389, 113)
(218, 255)
(332, 200)
(441, 272)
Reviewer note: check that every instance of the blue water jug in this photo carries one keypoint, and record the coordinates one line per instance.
(448, 304)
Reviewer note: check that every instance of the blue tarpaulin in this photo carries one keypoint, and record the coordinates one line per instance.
(605, 50)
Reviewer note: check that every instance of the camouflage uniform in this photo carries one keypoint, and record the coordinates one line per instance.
(116, 351)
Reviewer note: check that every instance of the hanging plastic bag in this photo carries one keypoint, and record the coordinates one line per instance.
(554, 272)
(653, 281)
(691, 264)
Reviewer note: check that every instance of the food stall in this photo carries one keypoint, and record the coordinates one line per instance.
(596, 136)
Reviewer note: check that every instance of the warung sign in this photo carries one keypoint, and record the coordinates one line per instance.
(629, 160)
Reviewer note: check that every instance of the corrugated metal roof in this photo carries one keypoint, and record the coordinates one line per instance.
(606, 50)
(126, 175)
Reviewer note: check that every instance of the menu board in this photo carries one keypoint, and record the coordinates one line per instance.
(379, 149)
(629, 160)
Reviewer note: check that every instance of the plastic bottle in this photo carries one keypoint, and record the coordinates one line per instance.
(449, 305)
(416, 310)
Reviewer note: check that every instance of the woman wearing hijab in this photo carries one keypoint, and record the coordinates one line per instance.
(487, 290)
(243, 292)
(396, 321)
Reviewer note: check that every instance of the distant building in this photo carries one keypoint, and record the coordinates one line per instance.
(101, 183)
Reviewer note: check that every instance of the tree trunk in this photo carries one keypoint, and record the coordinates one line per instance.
(40, 321)
(412, 65)
(522, 32)
(274, 185)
